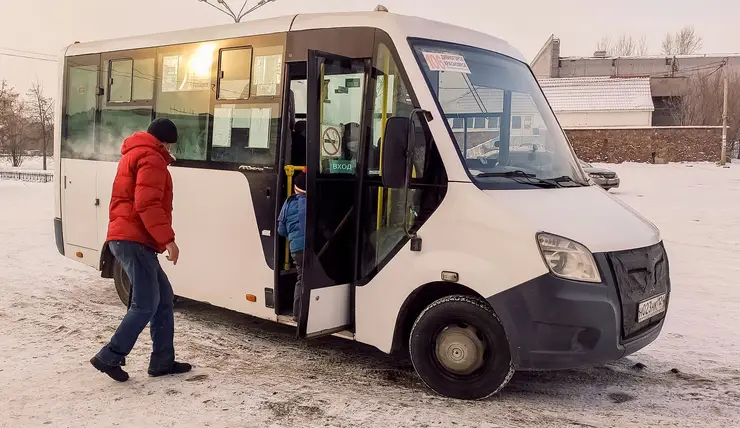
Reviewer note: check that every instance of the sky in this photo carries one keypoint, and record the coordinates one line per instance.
(46, 26)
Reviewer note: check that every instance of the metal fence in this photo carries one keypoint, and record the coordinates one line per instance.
(32, 176)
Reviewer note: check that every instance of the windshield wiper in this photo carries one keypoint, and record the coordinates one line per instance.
(564, 179)
(529, 179)
(514, 173)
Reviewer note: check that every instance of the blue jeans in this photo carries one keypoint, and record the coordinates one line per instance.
(151, 301)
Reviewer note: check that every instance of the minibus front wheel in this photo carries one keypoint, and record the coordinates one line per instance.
(459, 348)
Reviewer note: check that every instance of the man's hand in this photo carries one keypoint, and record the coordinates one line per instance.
(173, 252)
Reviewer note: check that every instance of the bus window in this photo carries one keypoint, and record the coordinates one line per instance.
(341, 117)
(247, 110)
(390, 212)
(245, 133)
(80, 108)
(128, 106)
(120, 81)
(391, 99)
(184, 95)
(234, 74)
(267, 71)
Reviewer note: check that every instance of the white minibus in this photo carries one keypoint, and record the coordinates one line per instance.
(447, 215)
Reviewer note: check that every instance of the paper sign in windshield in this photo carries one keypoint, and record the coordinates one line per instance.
(446, 62)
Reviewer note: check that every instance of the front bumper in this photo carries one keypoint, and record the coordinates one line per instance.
(554, 323)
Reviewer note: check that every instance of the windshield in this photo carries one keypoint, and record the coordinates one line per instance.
(499, 118)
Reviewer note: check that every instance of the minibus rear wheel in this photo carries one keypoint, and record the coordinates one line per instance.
(459, 348)
(123, 284)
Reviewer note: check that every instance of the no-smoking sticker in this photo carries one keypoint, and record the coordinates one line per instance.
(331, 141)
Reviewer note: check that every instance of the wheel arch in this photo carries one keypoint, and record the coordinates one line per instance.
(415, 303)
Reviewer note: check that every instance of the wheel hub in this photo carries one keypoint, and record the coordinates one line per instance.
(459, 349)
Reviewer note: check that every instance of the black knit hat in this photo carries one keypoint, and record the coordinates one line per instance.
(299, 181)
(163, 130)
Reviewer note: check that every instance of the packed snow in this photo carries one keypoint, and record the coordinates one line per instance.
(56, 313)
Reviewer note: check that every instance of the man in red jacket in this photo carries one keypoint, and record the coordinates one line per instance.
(140, 228)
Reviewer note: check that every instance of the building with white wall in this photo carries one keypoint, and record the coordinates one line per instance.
(600, 102)
(669, 74)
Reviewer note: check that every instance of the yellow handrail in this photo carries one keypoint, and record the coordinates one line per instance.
(383, 120)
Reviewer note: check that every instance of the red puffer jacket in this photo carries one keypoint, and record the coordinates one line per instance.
(141, 201)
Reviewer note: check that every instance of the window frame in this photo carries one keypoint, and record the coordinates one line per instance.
(219, 72)
(365, 180)
(109, 88)
(527, 121)
(254, 42)
(106, 61)
(521, 121)
(86, 60)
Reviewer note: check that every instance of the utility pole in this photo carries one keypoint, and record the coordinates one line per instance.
(237, 17)
(724, 121)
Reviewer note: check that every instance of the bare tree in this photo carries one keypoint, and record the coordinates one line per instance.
(625, 45)
(604, 45)
(12, 125)
(643, 47)
(41, 109)
(702, 103)
(683, 42)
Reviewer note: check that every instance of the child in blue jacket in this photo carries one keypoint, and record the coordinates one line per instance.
(292, 224)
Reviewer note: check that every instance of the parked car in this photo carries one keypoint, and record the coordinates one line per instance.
(605, 178)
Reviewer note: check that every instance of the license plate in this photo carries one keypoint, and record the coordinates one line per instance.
(651, 307)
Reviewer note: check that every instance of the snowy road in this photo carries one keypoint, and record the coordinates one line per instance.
(55, 313)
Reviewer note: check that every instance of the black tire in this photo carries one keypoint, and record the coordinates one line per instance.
(493, 367)
(123, 285)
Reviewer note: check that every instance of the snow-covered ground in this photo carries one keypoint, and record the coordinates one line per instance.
(56, 313)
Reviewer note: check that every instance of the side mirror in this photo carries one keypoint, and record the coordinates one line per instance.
(395, 147)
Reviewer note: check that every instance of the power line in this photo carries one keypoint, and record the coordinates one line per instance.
(27, 57)
(242, 13)
(26, 52)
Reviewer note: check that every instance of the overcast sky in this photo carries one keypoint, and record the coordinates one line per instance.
(46, 26)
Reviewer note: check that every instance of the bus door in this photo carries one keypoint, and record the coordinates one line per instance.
(336, 94)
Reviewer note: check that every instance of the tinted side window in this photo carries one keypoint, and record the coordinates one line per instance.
(128, 106)
(120, 81)
(246, 113)
(184, 95)
(389, 213)
(391, 99)
(80, 108)
(234, 76)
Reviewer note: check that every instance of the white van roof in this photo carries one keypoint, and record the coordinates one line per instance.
(397, 26)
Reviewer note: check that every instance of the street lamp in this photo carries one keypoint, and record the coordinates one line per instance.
(237, 17)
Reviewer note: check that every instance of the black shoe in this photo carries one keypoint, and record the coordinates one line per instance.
(176, 368)
(115, 372)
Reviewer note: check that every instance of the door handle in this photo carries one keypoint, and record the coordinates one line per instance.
(97, 202)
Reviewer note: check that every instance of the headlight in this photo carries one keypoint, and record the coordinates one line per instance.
(568, 259)
(596, 175)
